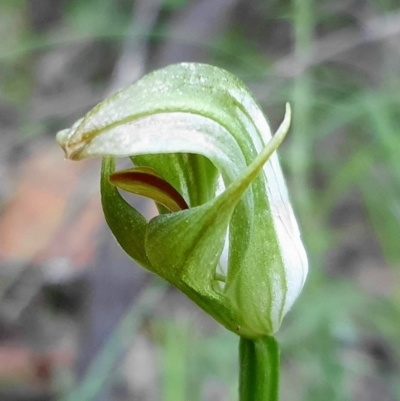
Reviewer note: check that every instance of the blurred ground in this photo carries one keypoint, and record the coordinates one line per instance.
(78, 321)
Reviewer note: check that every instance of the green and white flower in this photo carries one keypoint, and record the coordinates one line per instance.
(203, 150)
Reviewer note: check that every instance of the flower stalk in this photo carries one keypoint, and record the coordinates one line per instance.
(259, 369)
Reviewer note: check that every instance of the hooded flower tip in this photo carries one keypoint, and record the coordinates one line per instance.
(67, 140)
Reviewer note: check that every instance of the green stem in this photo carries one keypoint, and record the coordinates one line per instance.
(259, 369)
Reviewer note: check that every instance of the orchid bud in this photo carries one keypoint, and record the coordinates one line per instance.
(203, 150)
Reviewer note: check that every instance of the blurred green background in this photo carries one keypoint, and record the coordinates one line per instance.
(94, 327)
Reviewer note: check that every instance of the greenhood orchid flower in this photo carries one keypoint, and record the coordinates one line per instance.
(203, 150)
